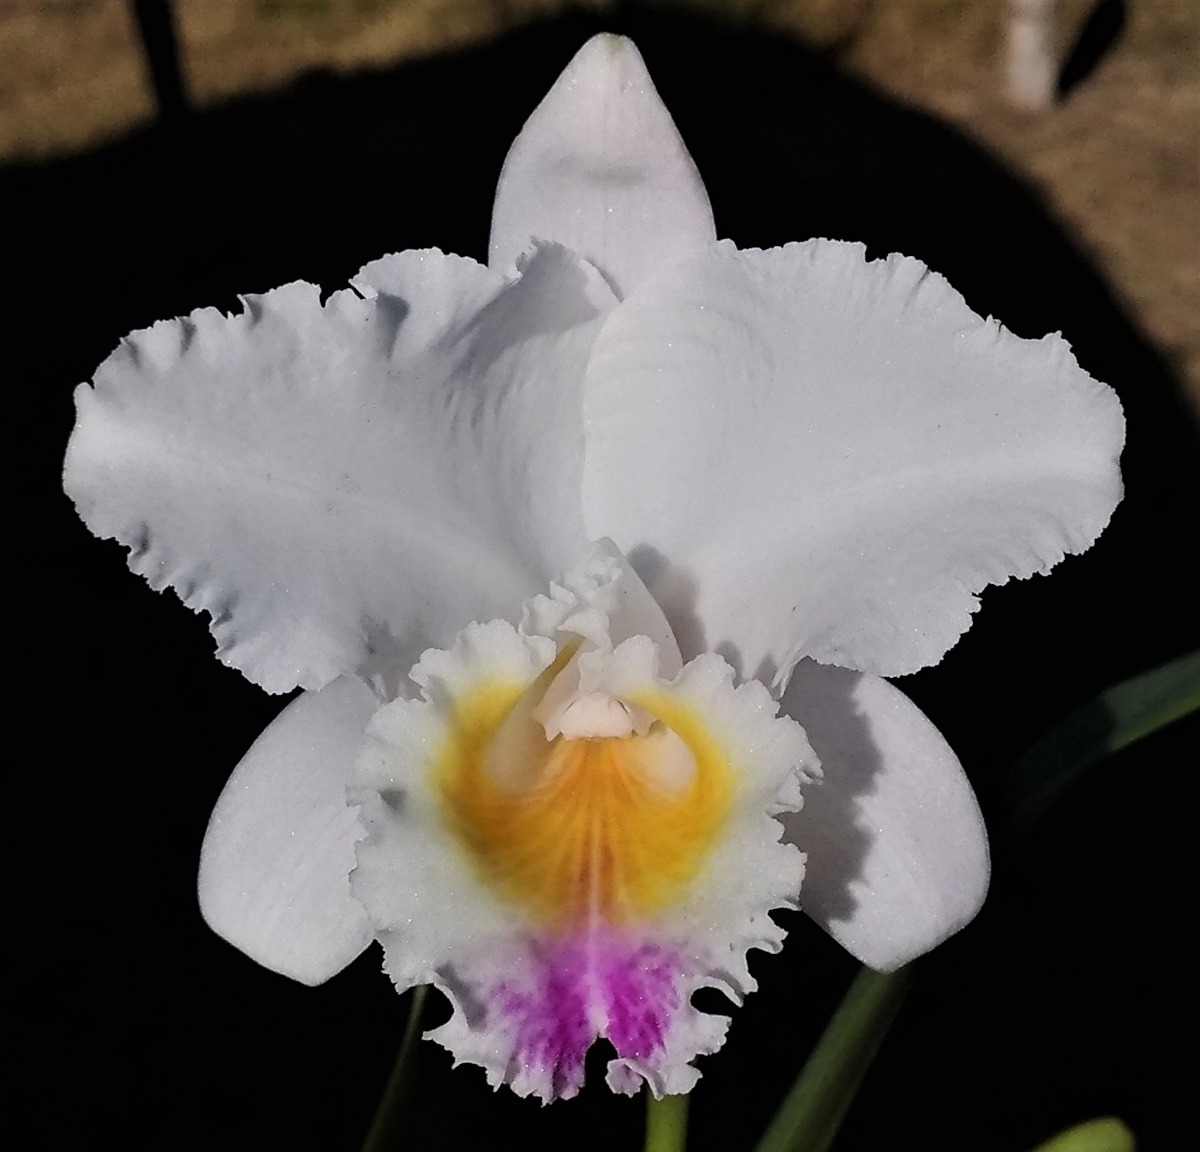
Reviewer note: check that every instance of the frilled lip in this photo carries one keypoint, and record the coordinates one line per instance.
(588, 880)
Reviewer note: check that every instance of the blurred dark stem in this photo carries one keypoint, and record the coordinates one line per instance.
(1097, 37)
(812, 1112)
(389, 1128)
(156, 26)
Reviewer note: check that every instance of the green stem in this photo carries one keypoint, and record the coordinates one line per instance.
(387, 1134)
(666, 1123)
(814, 1109)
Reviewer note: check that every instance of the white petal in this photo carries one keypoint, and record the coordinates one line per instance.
(897, 849)
(807, 454)
(275, 866)
(342, 485)
(600, 167)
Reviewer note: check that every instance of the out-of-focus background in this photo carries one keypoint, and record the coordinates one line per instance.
(1117, 158)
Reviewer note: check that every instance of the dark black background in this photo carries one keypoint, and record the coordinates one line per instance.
(140, 1028)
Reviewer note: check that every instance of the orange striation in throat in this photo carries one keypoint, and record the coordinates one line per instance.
(573, 830)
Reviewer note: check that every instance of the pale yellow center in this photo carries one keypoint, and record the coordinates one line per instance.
(576, 827)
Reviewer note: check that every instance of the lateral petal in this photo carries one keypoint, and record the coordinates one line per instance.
(819, 455)
(341, 485)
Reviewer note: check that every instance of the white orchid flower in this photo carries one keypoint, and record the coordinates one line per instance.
(580, 539)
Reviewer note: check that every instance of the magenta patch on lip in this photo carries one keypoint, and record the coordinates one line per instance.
(599, 985)
(639, 993)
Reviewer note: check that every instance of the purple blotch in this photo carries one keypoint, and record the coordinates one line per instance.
(640, 995)
(552, 1027)
(574, 984)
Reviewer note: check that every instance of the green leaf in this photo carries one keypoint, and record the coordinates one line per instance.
(813, 1110)
(1107, 1134)
(1118, 717)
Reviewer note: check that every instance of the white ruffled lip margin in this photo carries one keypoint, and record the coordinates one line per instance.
(441, 923)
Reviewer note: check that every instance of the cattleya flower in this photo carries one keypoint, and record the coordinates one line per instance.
(590, 561)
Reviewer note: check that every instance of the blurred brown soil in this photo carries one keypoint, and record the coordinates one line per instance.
(1115, 161)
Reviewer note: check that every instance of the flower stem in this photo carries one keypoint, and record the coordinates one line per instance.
(666, 1123)
(386, 1134)
(813, 1110)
